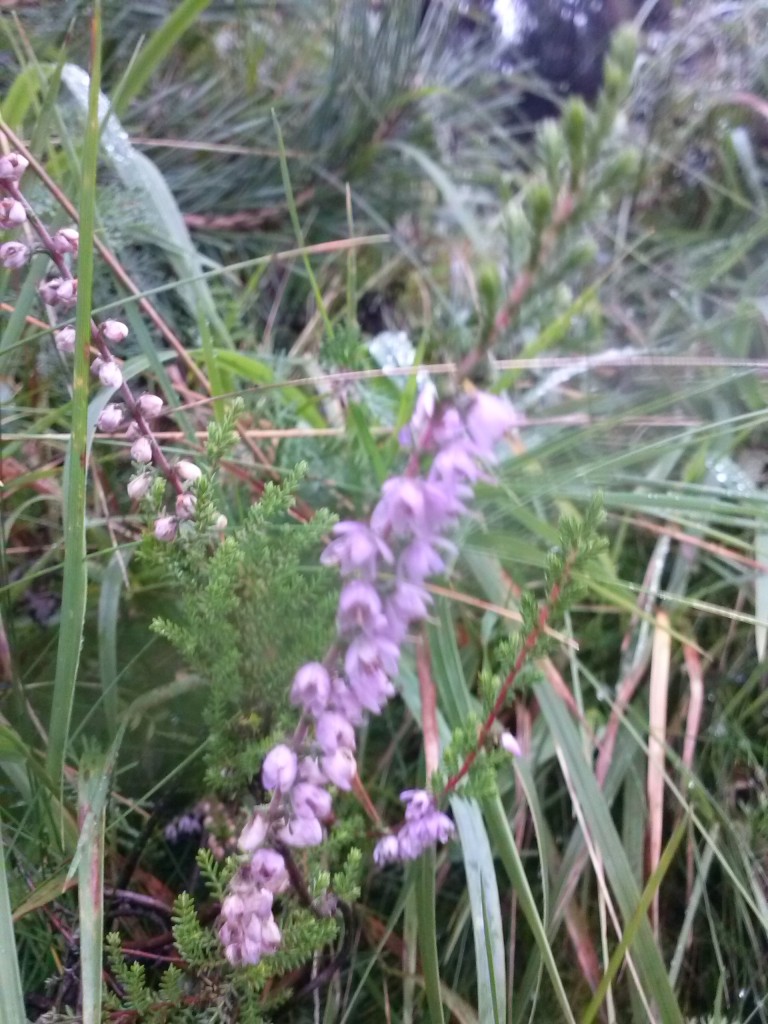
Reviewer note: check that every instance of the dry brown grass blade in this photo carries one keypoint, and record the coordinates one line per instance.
(658, 702)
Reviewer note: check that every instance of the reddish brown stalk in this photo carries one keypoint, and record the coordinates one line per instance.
(428, 695)
(529, 644)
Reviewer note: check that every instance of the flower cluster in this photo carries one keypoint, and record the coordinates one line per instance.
(133, 416)
(385, 565)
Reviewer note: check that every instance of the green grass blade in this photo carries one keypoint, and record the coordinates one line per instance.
(11, 993)
(598, 821)
(155, 52)
(430, 964)
(75, 584)
(109, 607)
(93, 788)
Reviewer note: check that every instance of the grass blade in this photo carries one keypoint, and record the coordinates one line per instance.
(11, 994)
(425, 898)
(74, 589)
(92, 801)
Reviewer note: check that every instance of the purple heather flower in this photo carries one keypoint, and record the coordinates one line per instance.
(150, 407)
(424, 825)
(248, 930)
(14, 255)
(488, 419)
(310, 801)
(66, 240)
(311, 688)
(279, 768)
(408, 602)
(113, 331)
(340, 768)
(166, 528)
(110, 418)
(110, 375)
(343, 700)
(59, 291)
(254, 833)
(386, 850)
(309, 771)
(268, 869)
(12, 213)
(454, 466)
(187, 470)
(402, 509)
(141, 450)
(65, 340)
(12, 166)
(508, 741)
(359, 608)
(301, 832)
(334, 731)
(420, 559)
(185, 505)
(356, 549)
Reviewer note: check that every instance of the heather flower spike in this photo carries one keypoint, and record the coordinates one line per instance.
(384, 565)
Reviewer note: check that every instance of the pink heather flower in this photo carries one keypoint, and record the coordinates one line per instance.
(408, 602)
(14, 255)
(66, 240)
(221, 522)
(454, 466)
(150, 406)
(343, 700)
(12, 214)
(309, 771)
(166, 528)
(488, 419)
(254, 834)
(386, 850)
(110, 374)
(359, 608)
(279, 768)
(301, 832)
(113, 331)
(310, 801)
(185, 505)
(334, 731)
(356, 549)
(508, 742)
(311, 688)
(12, 167)
(369, 662)
(424, 826)
(64, 340)
(419, 560)
(139, 485)
(248, 930)
(268, 869)
(110, 419)
(59, 291)
(187, 470)
(141, 450)
(340, 768)
(402, 508)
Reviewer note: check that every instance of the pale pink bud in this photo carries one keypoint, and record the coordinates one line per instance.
(12, 213)
(111, 417)
(150, 406)
(141, 450)
(113, 331)
(188, 471)
(65, 340)
(221, 522)
(166, 528)
(185, 506)
(254, 834)
(59, 291)
(110, 374)
(139, 485)
(13, 255)
(66, 241)
(508, 742)
(12, 167)
(279, 768)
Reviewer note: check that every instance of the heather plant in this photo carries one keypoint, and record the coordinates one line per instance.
(358, 703)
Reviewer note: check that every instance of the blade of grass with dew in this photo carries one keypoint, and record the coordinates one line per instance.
(650, 893)
(597, 819)
(94, 775)
(75, 583)
(11, 993)
(155, 52)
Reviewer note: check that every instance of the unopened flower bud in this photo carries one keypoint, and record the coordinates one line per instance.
(185, 506)
(508, 742)
(166, 528)
(66, 241)
(113, 331)
(150, 406)
(188, 471)
(111, 417)
(141, 450)
(221, 522)
(64, 340)
(12, 167)
(139, 485)
(13, 255)
(59, 291)
(110, 374)
(12, 213)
